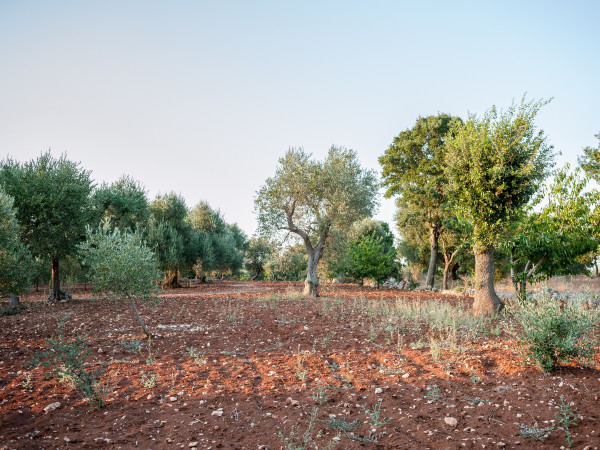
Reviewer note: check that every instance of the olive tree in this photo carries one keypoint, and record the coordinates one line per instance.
(495, 164)
(123, 202)
(121, 265)
(53, 208)
(15, 259)
(312, 198)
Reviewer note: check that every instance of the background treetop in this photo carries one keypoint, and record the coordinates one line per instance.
(414, 163)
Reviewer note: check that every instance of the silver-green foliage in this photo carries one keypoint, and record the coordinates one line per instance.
(15, 258)
(555, 330)
(121, 265)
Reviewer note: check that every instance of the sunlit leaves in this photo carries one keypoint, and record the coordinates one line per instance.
(495, 165)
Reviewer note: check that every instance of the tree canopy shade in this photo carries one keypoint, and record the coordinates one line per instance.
(15, 258)
(590, 161)
(495, 165)
(121, 265)
(52, 201)
(311, 198)
(413, 169)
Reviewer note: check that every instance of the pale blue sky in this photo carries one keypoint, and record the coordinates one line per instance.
(202, 98)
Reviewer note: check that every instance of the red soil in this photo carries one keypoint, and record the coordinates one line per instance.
(266, 360)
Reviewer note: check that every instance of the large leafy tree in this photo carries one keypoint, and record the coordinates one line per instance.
(15, 259)
(549, 241)
(312, 198)
(52, 201)
(123, 202)
(495, 165)
(413, 169)
(169, 236)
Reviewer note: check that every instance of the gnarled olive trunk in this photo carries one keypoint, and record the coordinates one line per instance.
(311, 284)
(434, 235)
(486, 301)
(14, 302)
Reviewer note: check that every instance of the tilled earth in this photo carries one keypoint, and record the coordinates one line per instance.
(253, 365)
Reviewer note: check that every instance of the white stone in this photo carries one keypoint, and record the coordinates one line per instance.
(378, 391)
(451, 421)
(52, 406)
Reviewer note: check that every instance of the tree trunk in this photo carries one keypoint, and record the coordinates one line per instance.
(14, 302)
(447, 265)
(455, 276)
(257, 275)
(434, 234)
(486, 301)
(56, 293)
(311, 284)
(172, 280)
(148, 334)
(446, 276)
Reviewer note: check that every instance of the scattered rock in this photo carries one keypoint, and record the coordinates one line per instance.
(451, 421)
(378, 391)
(406, 375)
(391, 283)
(52, 407)
(218, 412)
(193, 444)
(173, 399)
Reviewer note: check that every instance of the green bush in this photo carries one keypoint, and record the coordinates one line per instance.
(121, 266)
(555, 330)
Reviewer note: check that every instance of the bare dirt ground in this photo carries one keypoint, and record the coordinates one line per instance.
(252, 365)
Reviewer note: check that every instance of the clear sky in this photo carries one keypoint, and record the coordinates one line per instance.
(203, 97)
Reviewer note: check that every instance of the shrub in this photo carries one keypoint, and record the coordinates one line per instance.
(555, 330)
(67, 357)
(121, 266)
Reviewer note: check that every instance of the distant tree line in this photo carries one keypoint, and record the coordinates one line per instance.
(472, 203)
(46, 205)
